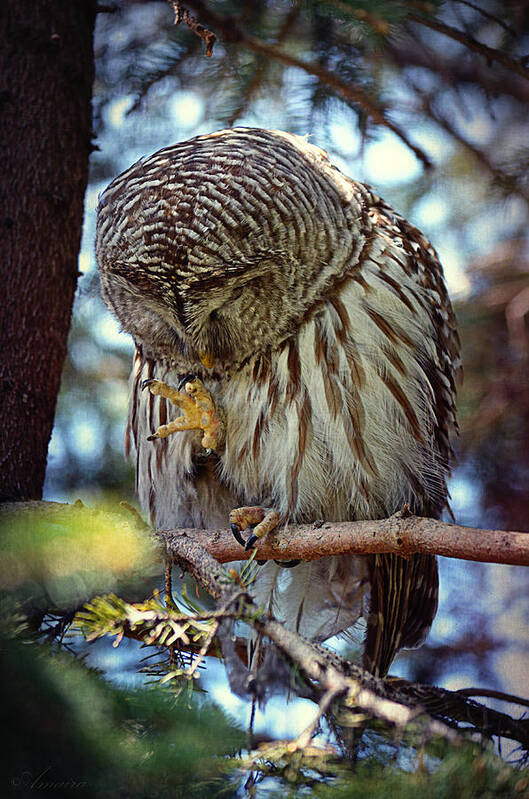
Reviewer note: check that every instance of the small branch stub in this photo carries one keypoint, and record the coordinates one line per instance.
(183, 15)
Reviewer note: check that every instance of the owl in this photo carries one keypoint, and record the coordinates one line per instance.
(295, 360)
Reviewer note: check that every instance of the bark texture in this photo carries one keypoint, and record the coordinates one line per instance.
(46, 75)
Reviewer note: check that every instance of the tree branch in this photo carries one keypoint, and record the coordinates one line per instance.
(484, 13)
(182, 15)
(332, 673)
(430, 710)
(472, 44)
(508, 182)
(348, 91)
(408, 51)
(398, 703)
(400, 534)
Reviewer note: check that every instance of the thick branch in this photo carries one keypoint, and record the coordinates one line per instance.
(402, 535)
(331, 672)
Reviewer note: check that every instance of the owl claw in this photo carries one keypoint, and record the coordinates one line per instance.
(262, 520)
(189, 378)
(237, 535)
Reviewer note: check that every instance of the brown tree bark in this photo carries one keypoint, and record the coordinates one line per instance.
(46, 75)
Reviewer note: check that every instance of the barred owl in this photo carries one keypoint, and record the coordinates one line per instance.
(316, 322)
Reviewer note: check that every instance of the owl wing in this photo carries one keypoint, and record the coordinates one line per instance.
(404, 592)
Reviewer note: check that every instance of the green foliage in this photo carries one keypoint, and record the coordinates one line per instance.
(66, 725)
(71, 732)
(182, 627)
(59, 556)
(364, 44)
(153, 623)
(465, 772)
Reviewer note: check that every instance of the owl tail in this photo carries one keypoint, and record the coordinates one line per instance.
(327, 597)
(404, 595)
(318, 599)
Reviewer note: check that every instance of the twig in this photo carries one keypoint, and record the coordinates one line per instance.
(305, 737)
(183, 15)
(491, 694)
(508, 182)
(260, 67)
(472, 44)
(411, 51)
(488, 16)
(168, 583)
(376, 22)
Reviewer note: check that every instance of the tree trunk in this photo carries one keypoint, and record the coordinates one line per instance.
(46, 74)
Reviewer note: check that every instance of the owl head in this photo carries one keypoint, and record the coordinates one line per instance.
(218, 247)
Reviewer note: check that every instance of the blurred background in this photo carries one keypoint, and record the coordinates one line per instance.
(449, 150)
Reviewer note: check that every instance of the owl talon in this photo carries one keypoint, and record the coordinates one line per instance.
(237, 534)
(189, 378)
(262, 520)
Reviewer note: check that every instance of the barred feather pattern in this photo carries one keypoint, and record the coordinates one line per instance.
(335, 352)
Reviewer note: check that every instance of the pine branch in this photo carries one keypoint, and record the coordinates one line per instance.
(410, 51)
(507, 182)
(327, 670)
(487, 15)
(260, 68)
(398, 703)
(354, 93)
(491, 54)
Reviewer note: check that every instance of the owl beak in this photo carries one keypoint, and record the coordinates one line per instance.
(207, 359)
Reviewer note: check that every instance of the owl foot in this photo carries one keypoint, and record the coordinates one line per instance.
(198, 410)
(263, 520)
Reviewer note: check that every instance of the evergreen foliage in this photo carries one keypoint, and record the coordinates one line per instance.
(72, 733)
